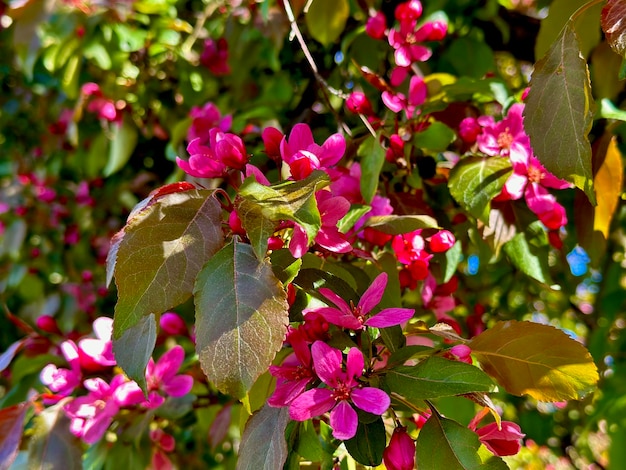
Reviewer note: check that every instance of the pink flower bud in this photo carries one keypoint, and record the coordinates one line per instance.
(442, 241)
(376, 25)
(469, 129)
(400, 453)
(48, 324)
(234, 222)
(462, 353)
(172, 324)
(408, 11)
(432, 31)
(358, 103)
(501, 442)
(272, 138)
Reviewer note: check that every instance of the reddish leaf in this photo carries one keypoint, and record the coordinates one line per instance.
(7, 356)
(614, 26)
(11, 423)
(220, 425)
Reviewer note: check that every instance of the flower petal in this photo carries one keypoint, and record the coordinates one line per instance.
(311, 403)
(390, 317)
(327, 362)
(168, 364)
(337, 317)
(370, 399)
(178, 385)
(373, 294)
(354, 365)
(344, 421)
(299, 242)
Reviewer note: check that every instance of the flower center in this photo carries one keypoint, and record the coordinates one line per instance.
(342, 391)
(505, 139)
(302, 372)
(357, 312)
(535, 175)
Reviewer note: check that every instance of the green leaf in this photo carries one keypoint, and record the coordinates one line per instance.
(558, 113)
(53, 445)
(291, 200)
(399, 224)
(535, 359)
(372, 158)
(613, 25)
(470, 57)
(437, 377)
(528, 257)
(475, 181)
(451, 261)
(311, 280)
(437, 137)
(241, 318)
(263, 444)
(123, 142)
(284, 265)
(162, 250)
(367, 446)
(134, 348)
(11, 427)
(445, 444)
(326, 19)
(257, 226)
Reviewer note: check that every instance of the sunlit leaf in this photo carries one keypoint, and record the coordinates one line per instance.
(399, 224)
(11, 424)
(475, 181)
(163, 249)
(53, 445)
(529, 257)
(134, 348)
(445, 444)
(326, 19)
(558, 113)
(436, 137)
(437, 377)
(241, 318)
(258, 227)
(263, 445)
(372, 158)
(7, 356)
(536, 360)
(291, 200)
(614, 26)
(123, 141)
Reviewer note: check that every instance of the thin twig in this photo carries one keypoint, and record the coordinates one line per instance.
(211, 7)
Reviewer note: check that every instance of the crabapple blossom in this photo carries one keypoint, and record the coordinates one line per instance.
(376, 25)
(203, 119)
(163, 376)
(501, 441)
(215, 56)
(225, 151)
(354, 317)
(400, 453)
(343, 389)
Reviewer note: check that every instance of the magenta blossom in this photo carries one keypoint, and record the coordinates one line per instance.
(502, 441)
(406, 42)
(355, 317)
(203, 119)
(96, 353)
(295, 373)
(332, 209)
(506, 138)
(63, 381)
(303, 155)
(342, 388)
(92, 414)
(163, 376)
(376, 25)
(215, 56)
(225, 151)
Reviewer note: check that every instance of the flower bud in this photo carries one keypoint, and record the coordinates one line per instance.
(442, 241)
(358, 103)
(501, 442)
(400, 453)
(172, 324)
(376, 25)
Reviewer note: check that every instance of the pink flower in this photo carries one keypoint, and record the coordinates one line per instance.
(91, 415)
(225, 151)
(408, 11)
(400, 453)
(501, 442)
(358, 103)
(343, 388)
(442, 241)
(96, 353)
(63, 381)
(461, 352)
(172, 324)
(417, 95)
(376, 25)
(406, 42)
(272, 139)
(469, 129)
(354, 317)
(204, 118)
(506, 138)
(163, 376)
(215, 56)
(332, 209)
(163, 443)
(303, 155)
(295, 373)
(98, 104)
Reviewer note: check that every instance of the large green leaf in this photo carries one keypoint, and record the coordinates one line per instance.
(367, 446)
(326, 19)
(241, 318)
(558, 113)
(162, 250)
(134, 348)
(445, 444)
(263, 445)
(535, 359)
(614, 26)
(437, 377)
(260, 206)
(475, 181)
